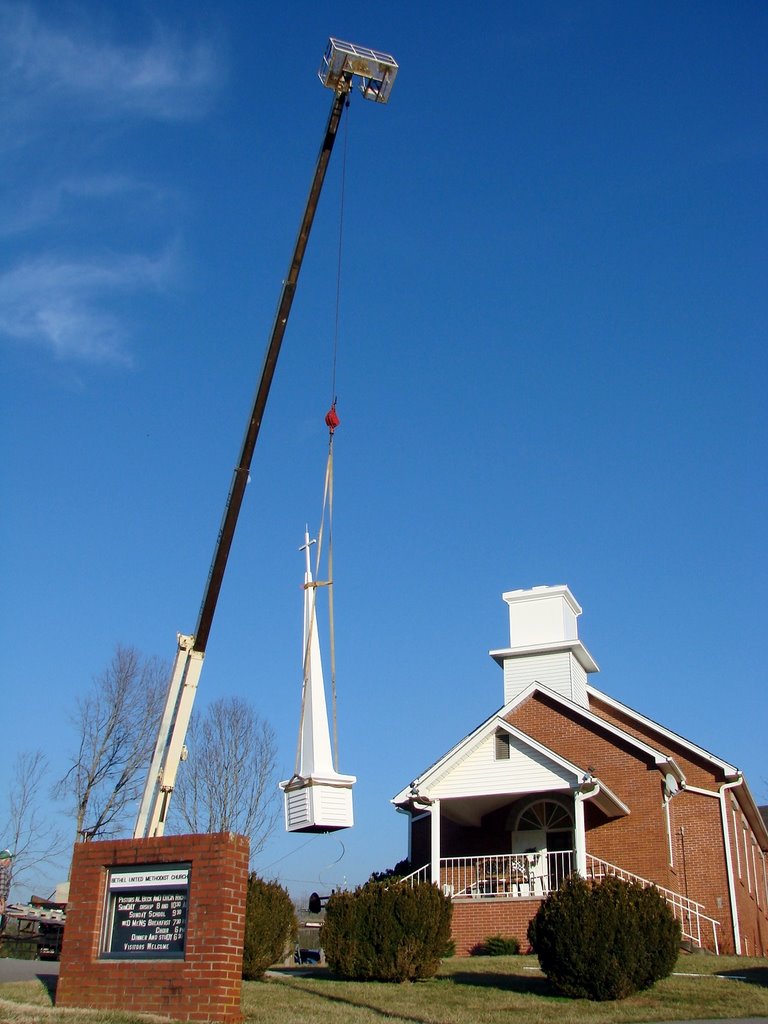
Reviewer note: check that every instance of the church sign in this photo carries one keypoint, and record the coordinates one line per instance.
(146, 915)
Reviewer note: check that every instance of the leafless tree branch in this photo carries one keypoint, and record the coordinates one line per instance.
(27, 831)
(116, 724)
(228, 783)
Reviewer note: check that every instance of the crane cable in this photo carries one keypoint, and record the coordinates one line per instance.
(331, 421)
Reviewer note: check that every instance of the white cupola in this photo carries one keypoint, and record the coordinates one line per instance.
(544, 644)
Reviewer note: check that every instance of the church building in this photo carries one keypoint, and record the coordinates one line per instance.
(562, 778)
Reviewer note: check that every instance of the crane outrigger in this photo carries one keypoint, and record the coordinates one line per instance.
(342, 64)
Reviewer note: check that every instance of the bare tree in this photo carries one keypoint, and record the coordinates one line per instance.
(35, 846)
(117, 725)
(228, 782)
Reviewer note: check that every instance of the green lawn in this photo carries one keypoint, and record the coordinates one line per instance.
(475, 990)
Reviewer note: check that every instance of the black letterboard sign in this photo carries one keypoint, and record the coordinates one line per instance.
(147, 912)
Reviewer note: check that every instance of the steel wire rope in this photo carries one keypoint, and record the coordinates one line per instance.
(331, 620)
(327, 503)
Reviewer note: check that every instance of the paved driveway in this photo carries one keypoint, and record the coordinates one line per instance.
(25, 970)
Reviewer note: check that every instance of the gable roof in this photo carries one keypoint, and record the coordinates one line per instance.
(423, 789)
(574, 776)
(667, 734)
(444, 765)
(662, 760)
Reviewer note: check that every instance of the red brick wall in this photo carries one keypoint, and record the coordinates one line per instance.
(639, 842)
(636, 842)
(698, 772)
(206, 984)
(749, 887)
(476, 920)
(700, 863)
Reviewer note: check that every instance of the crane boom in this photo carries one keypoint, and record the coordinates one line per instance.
(240, 478)
(341, 62)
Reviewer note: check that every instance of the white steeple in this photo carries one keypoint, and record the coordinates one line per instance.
(317, 798)
(544, 644)
(315, 756)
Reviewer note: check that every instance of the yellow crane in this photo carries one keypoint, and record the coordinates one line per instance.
(343, 63)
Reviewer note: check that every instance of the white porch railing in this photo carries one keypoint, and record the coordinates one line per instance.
(505, 876)
(422, 874)
(516, 875)
(688, 912)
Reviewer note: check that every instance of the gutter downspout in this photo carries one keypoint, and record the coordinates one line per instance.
(720, 795)
(585, 790)
(731, 886)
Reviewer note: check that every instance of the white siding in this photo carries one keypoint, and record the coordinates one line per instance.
(297, 810)
(317, 805)
(479, 772)
(334, 806)
(559, 670)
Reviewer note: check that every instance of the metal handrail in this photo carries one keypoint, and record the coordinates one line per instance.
(516, 875)
(686, 910)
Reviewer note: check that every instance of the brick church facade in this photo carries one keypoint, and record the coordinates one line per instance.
(565, 778)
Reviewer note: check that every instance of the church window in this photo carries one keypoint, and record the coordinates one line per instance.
(546, 816)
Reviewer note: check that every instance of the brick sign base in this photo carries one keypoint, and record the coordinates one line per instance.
(203, 984)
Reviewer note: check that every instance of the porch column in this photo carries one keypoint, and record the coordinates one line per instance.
(434, 853)
(579, 835)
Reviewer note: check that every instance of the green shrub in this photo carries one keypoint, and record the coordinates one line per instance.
(400, 870)
(497, 945)
(604, 941)
(386, 932)
(270, 926)
(18, 949)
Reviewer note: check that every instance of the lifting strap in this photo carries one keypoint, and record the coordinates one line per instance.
(332, 421)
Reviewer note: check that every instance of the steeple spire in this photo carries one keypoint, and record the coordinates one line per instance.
(317, 798)
(305, 547)
(315, 756)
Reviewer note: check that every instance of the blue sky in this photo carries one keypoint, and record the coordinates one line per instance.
(551, 364)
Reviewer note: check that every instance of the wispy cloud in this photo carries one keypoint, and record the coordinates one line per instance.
(71, 91)
(54, 203)
(166, 77)
(64, 306)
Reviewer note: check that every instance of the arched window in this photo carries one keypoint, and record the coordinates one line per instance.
(542, 827)
(545, 816)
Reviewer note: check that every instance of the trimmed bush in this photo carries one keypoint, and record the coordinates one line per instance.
(386, 932)
(497, 945)
(270, 926)
(604, 941)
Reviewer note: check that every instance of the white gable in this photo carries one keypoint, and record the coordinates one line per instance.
(479, 773)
